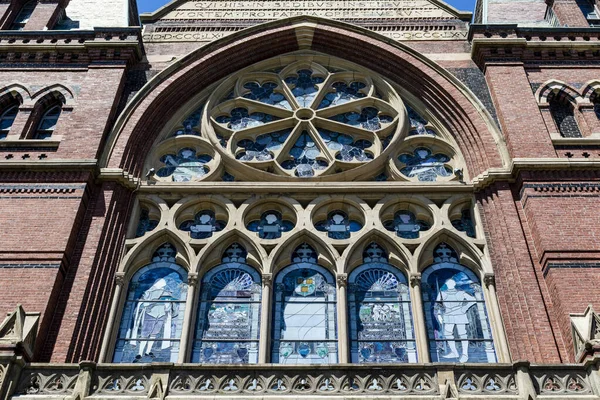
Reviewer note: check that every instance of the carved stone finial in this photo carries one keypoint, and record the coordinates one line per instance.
(415, 279)
(120, 279)
(489, 280)
(192, 279)
(342, 280)
(267, 279)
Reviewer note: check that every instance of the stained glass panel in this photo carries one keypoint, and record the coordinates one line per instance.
(304, 155)
(369, 118)
(381, 327)
(424, 165)
(227, 330)
(342, 93)
(263, 147)
(345, 147)
(265, 93)
(304, 323)
(338, 225)
(145, 224)
(406, 225)
(270, 225)
(304, 86)
(184, 166)
(239, 118)
(203, 225)
(455, 311)
(152, 319)
(465, 223)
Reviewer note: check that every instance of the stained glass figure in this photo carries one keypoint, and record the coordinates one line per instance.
(347, 149)
(145, 224)
(239, 119)
(338, 225)
(266, 93)
(7, 119)
(381, 327)
(304, 155)
(368, 119)
(262, 149)
(455, 311)
(304, 323)
(271, 225)
(152, 319)
(406, 225)
(465, 223)
(424, 165)
(342, 93)
(227, 331)
(304, 86)
(203, 225)
(184, 166)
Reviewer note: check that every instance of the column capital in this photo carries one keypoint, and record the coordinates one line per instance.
(267, 280)
(342, 279)
(489, 279)
(415, 279)
(192, 279)
(120, 279)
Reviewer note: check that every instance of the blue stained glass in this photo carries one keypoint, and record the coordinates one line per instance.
(152, 319)
(227, 177)
(368, 118)
(338, 225)
(184, 166)
(228, 316)
(304, 328)
(343, 93)
(145, 224)
(347, 149)
(424, 165)
(191, 122)
(265, 94)
(222, 140)
(455, 311)
(385, 142)
(262, 149)
(381, 177)
(304, 86)
(406, 225)
(271, 225)
(304, 155)
(422, 131)
(415, 118)
(203, 225)
(465, 223)
(239, 119)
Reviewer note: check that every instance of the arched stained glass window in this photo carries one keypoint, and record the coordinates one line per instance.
(227, 327)
(48, 122)
(152, 319)
(457, 323)
(381, 327)
(304, 320)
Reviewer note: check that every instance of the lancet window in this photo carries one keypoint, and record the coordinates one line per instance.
(304, 318)
(152, 318)
(227, 328)
(457, 323)
(381, 327)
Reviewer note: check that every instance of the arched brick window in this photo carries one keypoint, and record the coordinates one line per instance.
(563, 114)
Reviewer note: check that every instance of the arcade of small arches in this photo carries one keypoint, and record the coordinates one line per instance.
(304, 314)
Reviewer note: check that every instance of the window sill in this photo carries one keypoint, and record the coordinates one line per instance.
(585, 141)
(29, 143)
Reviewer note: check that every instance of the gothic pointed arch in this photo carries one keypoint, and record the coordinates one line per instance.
(212, 253)
(283, 253)
(397, 254)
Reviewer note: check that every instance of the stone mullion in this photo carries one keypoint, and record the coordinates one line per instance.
(495, 318)
(342, 318)
(112, 323)
(419, 319)
(186, 330)
(265, 318)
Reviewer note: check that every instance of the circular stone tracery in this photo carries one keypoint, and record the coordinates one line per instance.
(305, 119)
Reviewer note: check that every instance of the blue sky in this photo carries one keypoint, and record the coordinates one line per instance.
(151, 5)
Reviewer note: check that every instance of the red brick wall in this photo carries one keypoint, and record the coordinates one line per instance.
(568, 13)
(41, 16)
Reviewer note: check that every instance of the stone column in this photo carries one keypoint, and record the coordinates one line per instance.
(265, 318)
(193, 287)
(495, 317)
(342, 320)
(419, 318)
(111, 324)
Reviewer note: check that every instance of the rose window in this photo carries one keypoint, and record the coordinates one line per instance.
(304, 119)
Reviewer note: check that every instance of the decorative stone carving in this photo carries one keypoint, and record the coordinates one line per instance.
(489, 280)
(120, 279)
(267, 280)
(481, 383)
(415, 280)
(585, 329)
(47, 382)
(123, 383)
(19, 329)
(342, 280)
(561, 382)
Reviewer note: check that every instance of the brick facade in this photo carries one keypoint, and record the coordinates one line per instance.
(66, 205)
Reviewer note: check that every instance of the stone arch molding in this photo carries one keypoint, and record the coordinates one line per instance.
(557, 87)
(164, 97)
